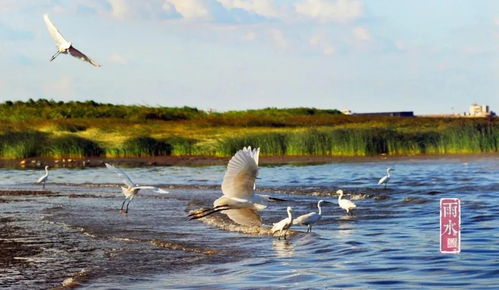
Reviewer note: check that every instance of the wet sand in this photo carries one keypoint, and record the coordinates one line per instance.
(50, 240)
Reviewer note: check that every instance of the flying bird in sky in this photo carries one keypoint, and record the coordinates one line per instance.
(64, 46)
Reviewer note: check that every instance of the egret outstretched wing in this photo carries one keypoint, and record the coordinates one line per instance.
(126, 179)
(154, 188)
(56, 35)
(78, 54)
(244, 216)
(254, 153)
(239, 179)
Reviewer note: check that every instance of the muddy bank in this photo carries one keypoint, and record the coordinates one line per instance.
(61, 240)
(214, 160)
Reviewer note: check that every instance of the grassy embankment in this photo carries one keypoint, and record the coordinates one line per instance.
(78, 129)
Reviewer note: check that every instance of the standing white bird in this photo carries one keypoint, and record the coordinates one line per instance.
(64, 46)
(131, 188)
(239, 202)
(386, 178)
(44, 177)
(283, 225)
(310, 218)
(345, 203)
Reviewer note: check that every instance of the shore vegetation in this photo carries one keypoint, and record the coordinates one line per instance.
(46, 128)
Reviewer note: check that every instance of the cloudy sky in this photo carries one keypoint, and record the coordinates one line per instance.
(381, 55)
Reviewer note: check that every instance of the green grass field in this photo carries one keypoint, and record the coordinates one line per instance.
(46, 128)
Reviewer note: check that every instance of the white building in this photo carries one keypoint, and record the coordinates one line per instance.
(479, 111)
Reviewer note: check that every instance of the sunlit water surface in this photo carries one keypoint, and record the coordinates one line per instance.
(392, 239)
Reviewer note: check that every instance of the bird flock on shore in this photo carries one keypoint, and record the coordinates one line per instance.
(238, 201)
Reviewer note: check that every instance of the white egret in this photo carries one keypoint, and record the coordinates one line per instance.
(283, 225)
(131, 188)
(386, 178)
(239, 202)
(310, 218)
(44, 177)
(64, 46)
(345, 203)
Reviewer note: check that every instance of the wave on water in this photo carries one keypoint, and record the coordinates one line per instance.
(181, 247)
(221, 222)
(169, 245)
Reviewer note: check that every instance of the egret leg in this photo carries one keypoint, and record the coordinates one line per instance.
(123, 204)
(207, 212)
(130, 200)
(309, 230)
(43, 185)
(55, 55)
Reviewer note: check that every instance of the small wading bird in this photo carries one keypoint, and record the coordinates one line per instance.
(131, 188)
(345, 203)
(44, 177)
(283, 225)
(386, 178)
(239, 202)
(310, 218)
(64, 46)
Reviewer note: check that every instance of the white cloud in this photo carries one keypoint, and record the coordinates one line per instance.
(361, 33)
(260, 7)
(323, 44)
(339, 11)
(118, 59)
(279, 39)
(249, 36)
(496, 21)
(190, 9)
(119, 9)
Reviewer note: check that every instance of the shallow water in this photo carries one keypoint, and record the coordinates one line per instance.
(74, 230)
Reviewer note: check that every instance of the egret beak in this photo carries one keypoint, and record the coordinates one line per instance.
(276, 199)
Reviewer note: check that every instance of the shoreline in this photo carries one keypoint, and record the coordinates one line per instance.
(203, 160)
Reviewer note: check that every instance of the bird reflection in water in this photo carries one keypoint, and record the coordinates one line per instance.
(283, 248)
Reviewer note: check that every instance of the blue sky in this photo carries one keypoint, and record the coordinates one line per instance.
(426, 56)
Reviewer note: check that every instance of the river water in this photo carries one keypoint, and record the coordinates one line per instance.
(72, 232)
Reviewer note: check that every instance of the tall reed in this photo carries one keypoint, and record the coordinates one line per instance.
(72, 147)
(474, 138)
(17, 145)
(144, 147)
(270, 143)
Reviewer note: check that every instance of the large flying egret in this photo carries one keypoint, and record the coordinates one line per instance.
(131, 188)
(386, 178)
(64, 46)
(44, 177)
(283, 225)
(239, 202)
(345, 203)
(310, 218)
